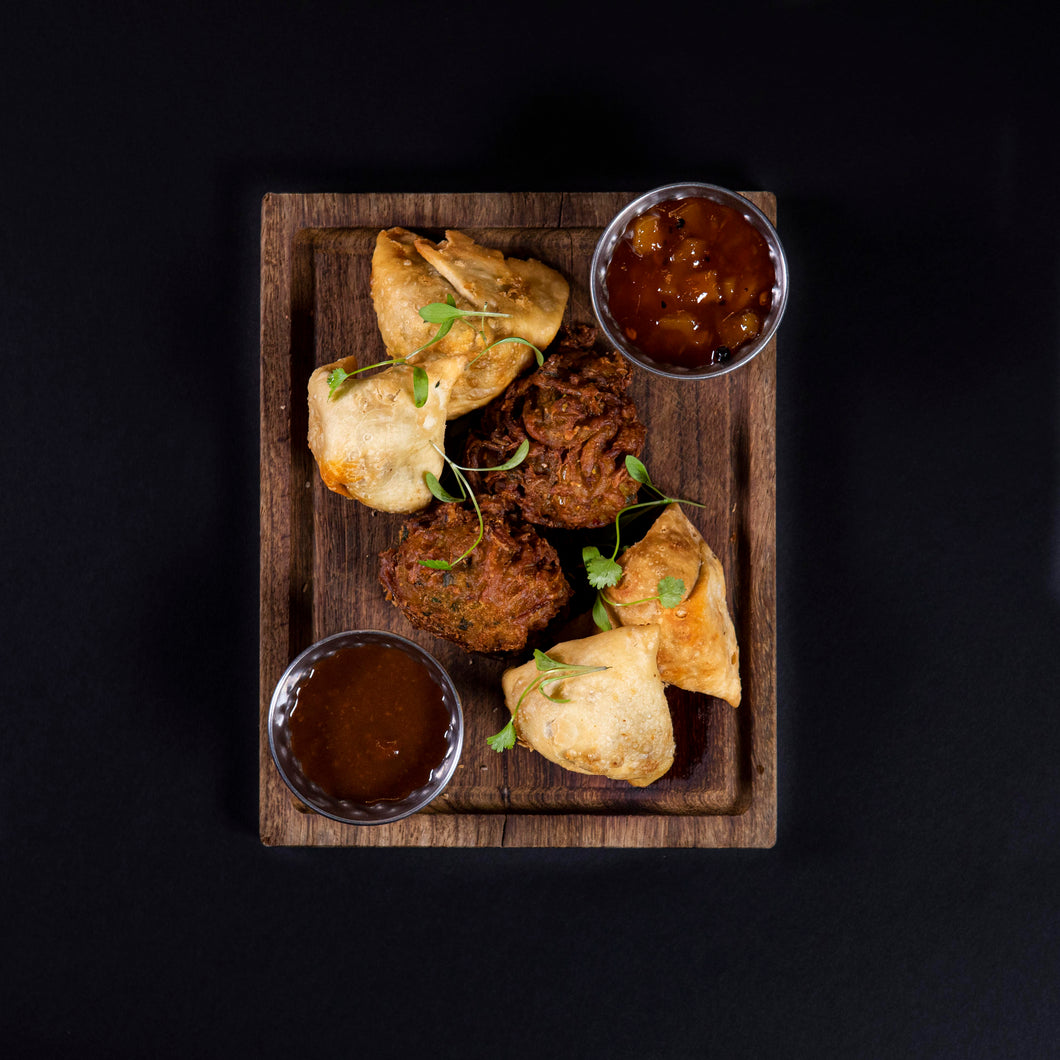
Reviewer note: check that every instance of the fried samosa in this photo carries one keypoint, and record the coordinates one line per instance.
(697, 642)
(402, 283)
(614, 722)
(531, 294)
(370, 440)
(410, 272)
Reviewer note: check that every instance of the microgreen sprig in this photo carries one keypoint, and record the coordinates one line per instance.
(551, 671)
(604, 572)
(466, 492)
(420, 382)
(538, 355)
(670, 593)
(445, 315)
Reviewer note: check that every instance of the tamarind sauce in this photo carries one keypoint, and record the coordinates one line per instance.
(369, 724)
(690, 281)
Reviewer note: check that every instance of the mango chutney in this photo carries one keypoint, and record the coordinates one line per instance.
(689, 282)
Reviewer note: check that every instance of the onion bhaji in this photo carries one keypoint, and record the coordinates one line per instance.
(581, 425)
(511, 585)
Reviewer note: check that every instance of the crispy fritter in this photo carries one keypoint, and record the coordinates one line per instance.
(510, 586)
(581, 425)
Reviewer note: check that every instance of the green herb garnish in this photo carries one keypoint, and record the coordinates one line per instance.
(552, 671)
(444, 314)
(671, 590)
(420, 382)
(466, 492)
(538, 355)
(604, 572)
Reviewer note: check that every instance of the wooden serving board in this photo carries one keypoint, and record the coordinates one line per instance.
(710, 440)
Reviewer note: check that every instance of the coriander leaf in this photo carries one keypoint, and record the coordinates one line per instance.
(420, 385)
(603, 571)
(336, 377)
(504, 739)
(671, 591)
(437, 564)
(637, 471)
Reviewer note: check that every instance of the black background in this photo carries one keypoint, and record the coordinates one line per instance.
(910, 905)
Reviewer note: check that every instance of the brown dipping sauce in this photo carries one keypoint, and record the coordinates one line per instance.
(690, 281)
(369, 724)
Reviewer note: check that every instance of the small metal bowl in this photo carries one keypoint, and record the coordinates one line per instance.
(285, 697)
(605, 247)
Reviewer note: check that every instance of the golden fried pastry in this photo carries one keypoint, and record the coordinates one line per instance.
(697, 642)
(616, 722)
(410, 272)
(371, 442)
(402, 283)
(533, 295)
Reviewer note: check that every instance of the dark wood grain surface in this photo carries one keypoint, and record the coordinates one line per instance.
(710, 440)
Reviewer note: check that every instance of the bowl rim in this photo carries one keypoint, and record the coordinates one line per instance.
(417, 799)
(616, 227)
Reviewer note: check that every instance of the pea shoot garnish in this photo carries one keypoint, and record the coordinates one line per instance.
(445, 315)
(466, 493)
(420, 382)
(604, 572)
(551, 671)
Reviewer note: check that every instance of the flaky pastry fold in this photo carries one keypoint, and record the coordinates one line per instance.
(614, 723)
(410, 272)
(370, 440)
(697, 642)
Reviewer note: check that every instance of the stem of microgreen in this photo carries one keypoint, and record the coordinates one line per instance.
(555, 671)
(671, 593)
(605, 571)
(538, 355)
(466, 492)
(420, 382)
(444, 314)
